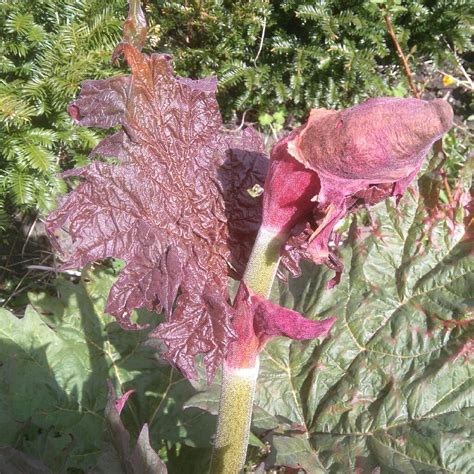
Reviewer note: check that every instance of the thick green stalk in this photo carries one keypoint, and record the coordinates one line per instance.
(263, 262)
(238, 383)
(233, 424)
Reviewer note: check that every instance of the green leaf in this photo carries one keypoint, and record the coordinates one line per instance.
(38, 157)
(293, 451)
(391, 389)
(265, 119)
(21, 186)
(400, 90)
(279, 118)
(55, 362)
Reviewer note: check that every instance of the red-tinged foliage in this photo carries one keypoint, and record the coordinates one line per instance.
(257, 320)
(175, 208)
(358, 156)
(140, 458)
(134, 29)
(121, 401)
(288, 189)
(101, 103)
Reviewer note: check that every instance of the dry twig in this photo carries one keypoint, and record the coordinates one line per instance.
(401, 55)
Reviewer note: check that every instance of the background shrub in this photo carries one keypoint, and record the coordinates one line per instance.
(297, 54)
(46, 49)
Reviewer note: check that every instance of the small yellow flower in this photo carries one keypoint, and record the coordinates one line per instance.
(448, 80)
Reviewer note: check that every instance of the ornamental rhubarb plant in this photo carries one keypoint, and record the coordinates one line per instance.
(168, 194)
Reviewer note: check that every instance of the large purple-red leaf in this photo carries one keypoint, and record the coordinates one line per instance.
(175, 208)
(198, 326)
(246, 165)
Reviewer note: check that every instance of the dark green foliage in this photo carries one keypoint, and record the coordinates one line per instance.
(54, 365)
(46, 49)
(313, 54)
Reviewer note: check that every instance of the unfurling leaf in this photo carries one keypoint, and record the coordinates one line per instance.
(142, 459)
(175, 208)
(258, 320)
(134, 29)
(340, 160)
